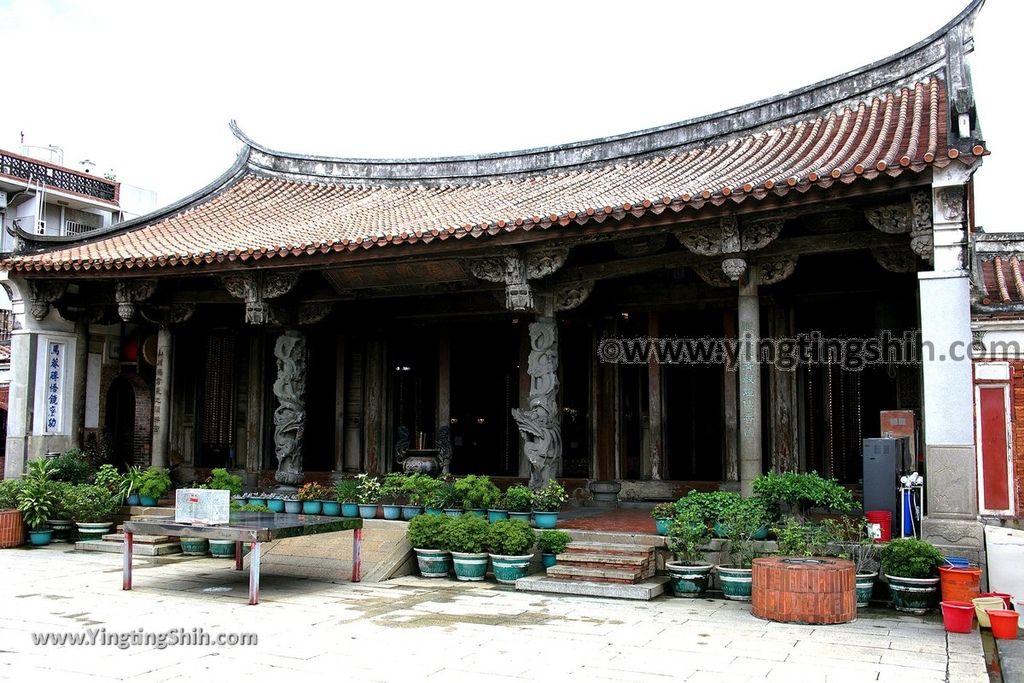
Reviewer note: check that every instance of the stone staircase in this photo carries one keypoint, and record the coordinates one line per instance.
(605, 563)
(142, 545)
(601, 569)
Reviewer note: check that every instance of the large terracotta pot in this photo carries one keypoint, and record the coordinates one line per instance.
(12, 529)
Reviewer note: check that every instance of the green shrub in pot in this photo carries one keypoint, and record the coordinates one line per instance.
(154, 483)
(9, 489)
(428, 535)
(477, 492)
(109, 478)
(70, 466)
(466, 538)
(687, 537)
(89, 503)
(801, 491)
(222, 480)
(510, 537)
(708, 506)
(912, 569)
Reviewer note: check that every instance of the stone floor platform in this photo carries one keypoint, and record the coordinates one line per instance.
(645, 590)
(139, 549)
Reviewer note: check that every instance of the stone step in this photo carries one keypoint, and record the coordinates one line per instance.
(595, 548)
(645, 590)
(142, 550)
(606, 575)
(624, 561)
(617, 537)
(140, 538)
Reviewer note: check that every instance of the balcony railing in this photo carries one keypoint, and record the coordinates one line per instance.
(57, 177)
(76, 228)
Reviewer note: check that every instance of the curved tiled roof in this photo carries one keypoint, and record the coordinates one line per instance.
(884, 120)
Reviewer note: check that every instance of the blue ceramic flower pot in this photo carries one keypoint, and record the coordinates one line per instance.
(392, 511)
(410, 511)
(349, 510)
(311, 507)
(331, 508)
(661, 526)
(735, 583)
(509, 568)
(436, 512)
(258, 501)
(132, 500)
(146, 501)
(548, 559)
(368, 511)
(275, 504)
(470, 566)
(40, 536)
(496, 515)
(293, 507)
(521, 516)
(545, 520)
(433, 564)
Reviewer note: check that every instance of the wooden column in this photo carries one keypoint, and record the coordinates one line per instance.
(354, 404)
(749, 319)
(376, 460)
(444, 372)
(603, 411)
(339, 404)
(785, 447)
(255, 417)
(730, 416)
(524, 392)
(655, 406)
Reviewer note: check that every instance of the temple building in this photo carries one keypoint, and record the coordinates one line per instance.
(304, 315)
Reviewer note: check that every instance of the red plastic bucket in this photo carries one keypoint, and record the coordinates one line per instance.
(958, 616)
(1007, 598)
(960, 584)
(1004, 623)
(880, 525)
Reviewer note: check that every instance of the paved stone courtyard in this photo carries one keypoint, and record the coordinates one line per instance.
(414, 629)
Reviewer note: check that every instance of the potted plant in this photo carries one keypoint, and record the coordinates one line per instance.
(427, 535)
(742, 522)
(709, 506)
(36, 501)
(452, 500)
(509, 541)
(153, 484)
(547, 501)
(477, 493)
(551, 543)
(222, 480)
(130, 486)
(275, 502)
(912, 569)
(663, 513)
(518, 502)
(439, 498)
(92, 508)
(292, 504)
(70, 466)
(312, 495)
(687, 537)
(368, 495)
(416, 487)
(466, 538)
(108, 477)
(497, 511)
(60, 521)
(12, 532)
(799, 492)
(390, 494)
(346, 492)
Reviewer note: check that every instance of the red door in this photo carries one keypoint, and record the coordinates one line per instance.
(992, 426)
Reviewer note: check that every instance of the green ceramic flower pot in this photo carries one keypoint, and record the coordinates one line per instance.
(434, 564)
(688, 581)
(194, 546)
(509, 568)
(496, 515)
(545, 520)
(548, 559)
(735, 583)
(146, 501)
(312, 507)
(92, 531)
(222, 548)
(916, 596)
(661, 526)
(434, 512)
(469, 566)
(865, 587)
(275, 504)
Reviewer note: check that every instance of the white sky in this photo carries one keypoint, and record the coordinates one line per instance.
(147, 88)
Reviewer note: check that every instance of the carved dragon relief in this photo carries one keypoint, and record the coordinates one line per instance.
(312, 312)
(290, 414)
(255, 288)
(571, 295)
(921, 235)
(168, 315)
(540, 424)
(42, 294)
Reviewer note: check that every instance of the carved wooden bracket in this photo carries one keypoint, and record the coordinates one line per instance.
(43, 294)
(776, 269)
(734, 268)
(914, 218)
(896, 259)
(168, 315)
(129, 293)
(515, 268)
(312, 312)
(729, 236)
(572, 294)
(713, 275)
(255, 288)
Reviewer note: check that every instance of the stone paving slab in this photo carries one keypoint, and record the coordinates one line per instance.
(415, 629)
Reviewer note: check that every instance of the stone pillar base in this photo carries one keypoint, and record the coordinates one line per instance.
(957, 536)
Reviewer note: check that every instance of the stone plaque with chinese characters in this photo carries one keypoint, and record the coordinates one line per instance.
(54, 387)
(202, 506)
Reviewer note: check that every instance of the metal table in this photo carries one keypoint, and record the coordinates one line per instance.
(246, 527)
